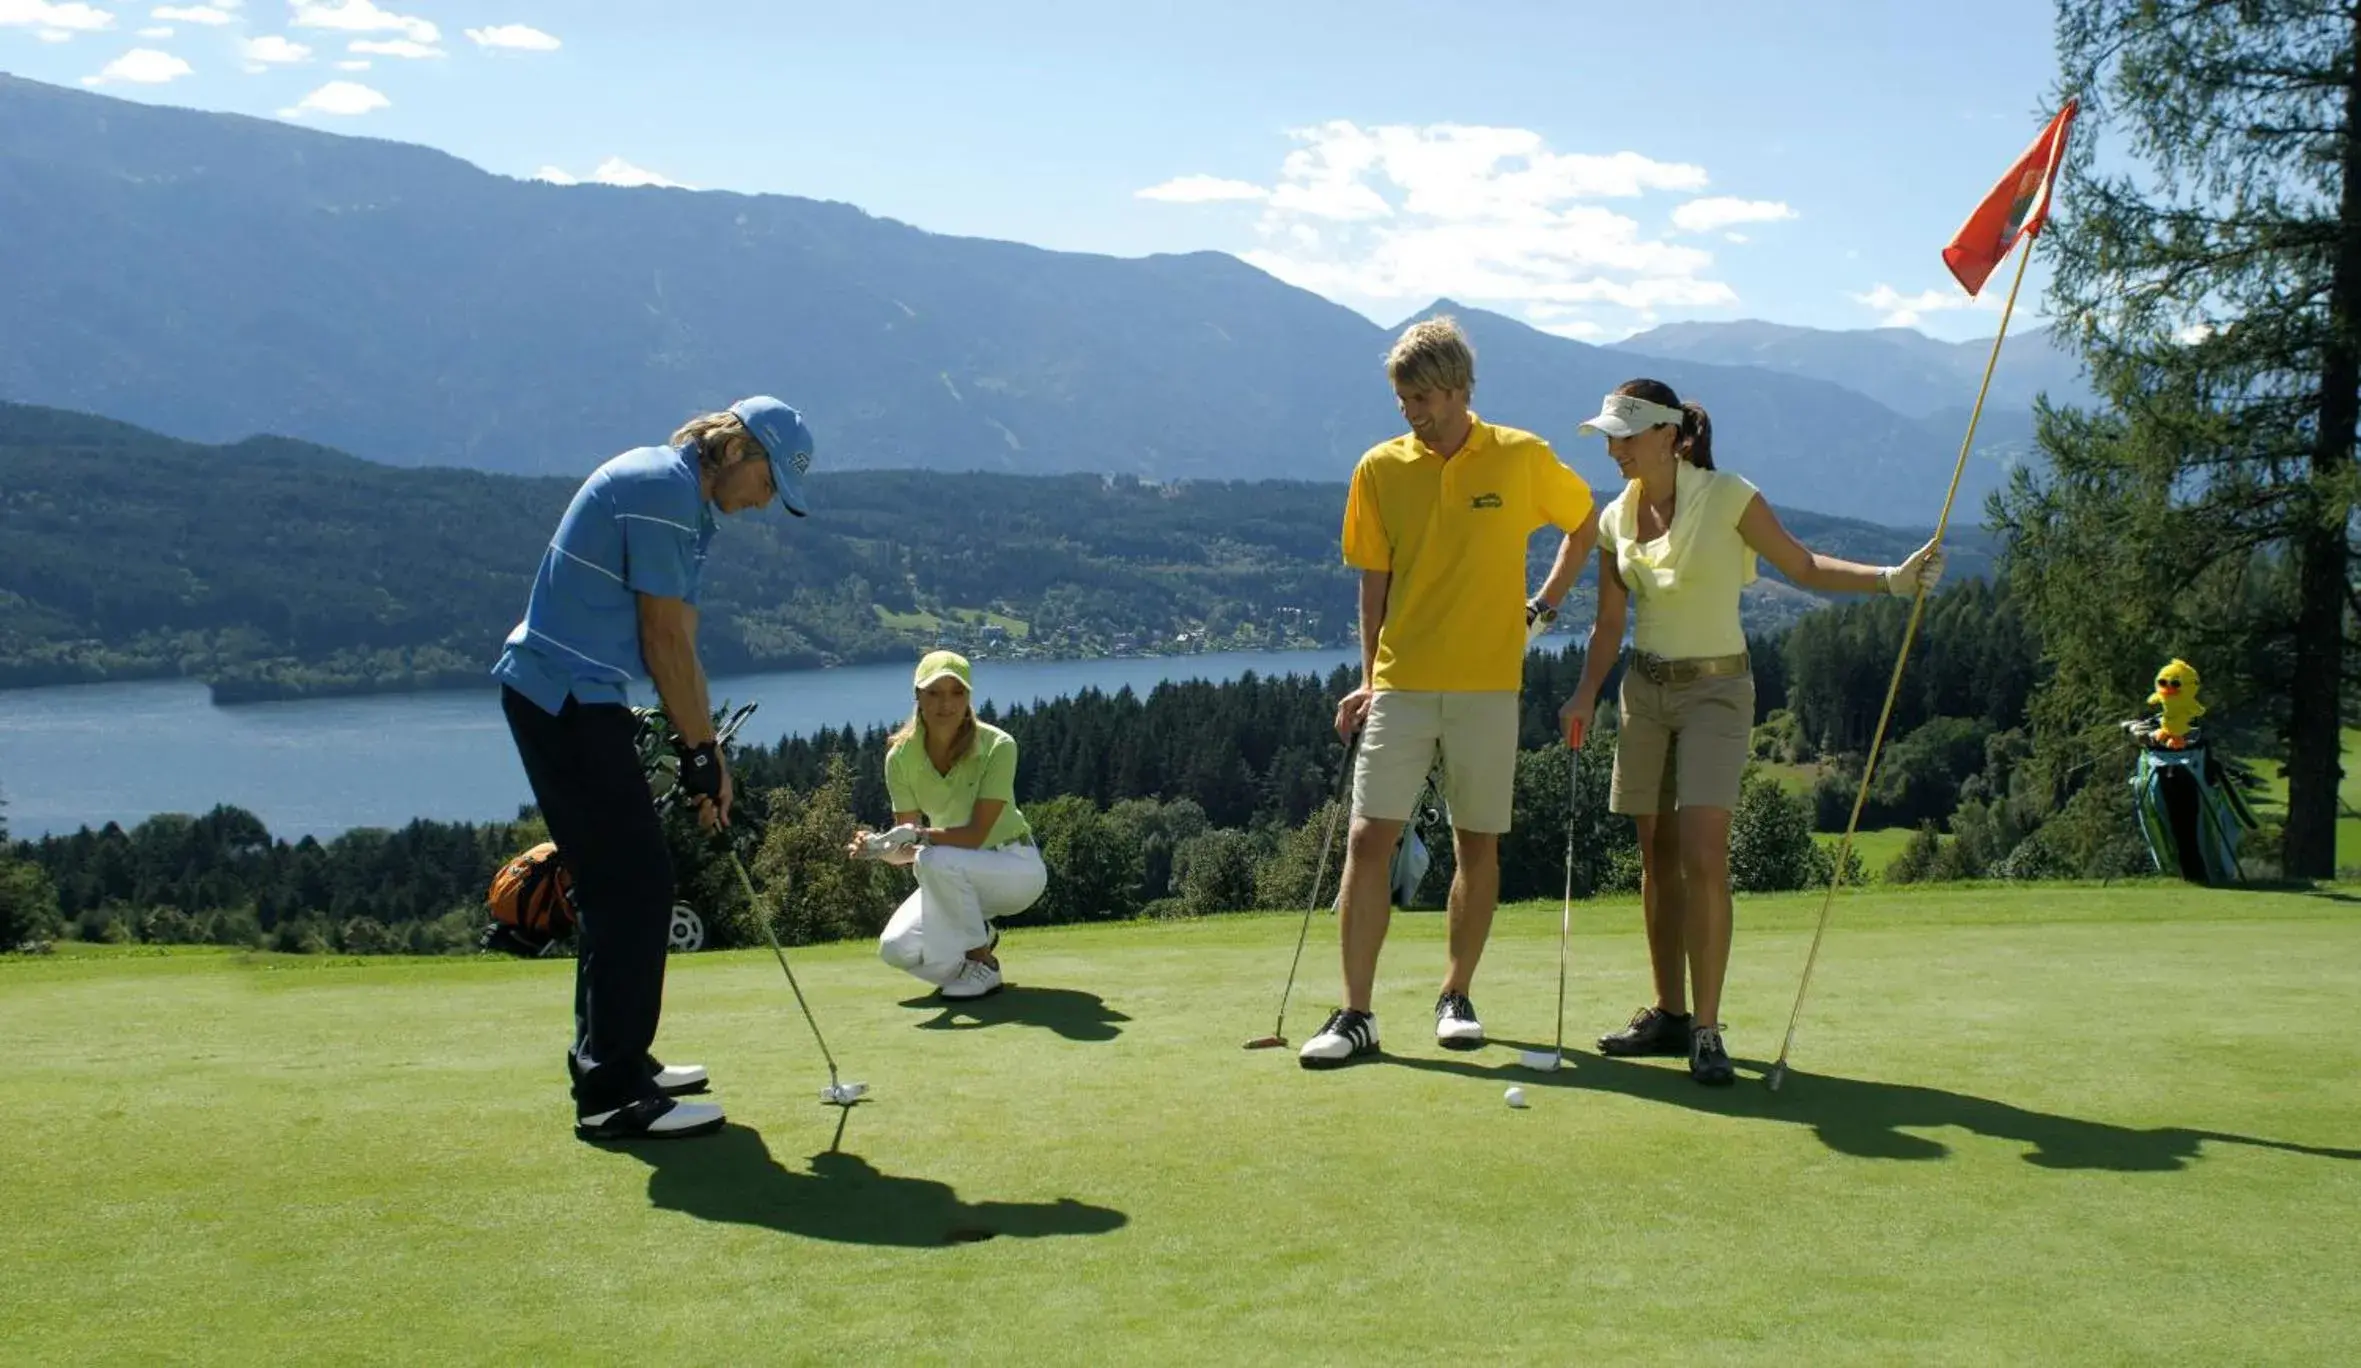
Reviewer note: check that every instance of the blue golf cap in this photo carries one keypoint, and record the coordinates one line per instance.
(785, 440)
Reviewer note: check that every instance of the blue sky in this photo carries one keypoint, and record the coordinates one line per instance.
(1592, 169)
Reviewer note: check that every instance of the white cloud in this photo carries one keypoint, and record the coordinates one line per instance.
(2193, 333)
(1899, 310)
(1736, 237)
(521, 37)
(1202, 190)
(160, 31)
(275, 51)
(57, 35)
(1376, 216)
(361, 16)
(141, 66)
(212, 16)
(1721, 211)
(396, 47)
(612, 171)
(346, 98)
(68, 19)
(360, 65)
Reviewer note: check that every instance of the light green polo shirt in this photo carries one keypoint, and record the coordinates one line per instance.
(988, 770)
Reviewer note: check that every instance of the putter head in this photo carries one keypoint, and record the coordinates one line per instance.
(843, 1094)
(1269, 1042)
(1775, 1077)
(1541, 1061)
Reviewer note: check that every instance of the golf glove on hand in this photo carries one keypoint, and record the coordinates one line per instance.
(886, 845)
(1921, 573)
(700, 771)
(1538, 617)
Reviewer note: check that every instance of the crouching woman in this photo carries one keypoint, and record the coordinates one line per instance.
(952, 781)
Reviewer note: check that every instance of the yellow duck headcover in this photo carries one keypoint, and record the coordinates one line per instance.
(2176, 694)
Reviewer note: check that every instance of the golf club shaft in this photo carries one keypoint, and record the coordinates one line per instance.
(1319, 876)
(768, 934)
(1566, 911)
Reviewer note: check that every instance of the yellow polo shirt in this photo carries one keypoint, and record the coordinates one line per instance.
(1453, 534)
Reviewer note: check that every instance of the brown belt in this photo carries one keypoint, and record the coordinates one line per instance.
(1659, 670)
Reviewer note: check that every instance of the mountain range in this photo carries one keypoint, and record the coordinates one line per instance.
(214, 276)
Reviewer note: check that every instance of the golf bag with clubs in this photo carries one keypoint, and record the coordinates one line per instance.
(1429, 824)
(532, 896)
(2191, 813)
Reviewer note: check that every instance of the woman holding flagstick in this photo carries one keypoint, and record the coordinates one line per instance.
(1676, 546)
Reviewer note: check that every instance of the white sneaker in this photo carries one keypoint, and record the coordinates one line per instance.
(1456, 1027)
(975, 979)
(1347, 1036)
(654, 1118)
(673, 1080)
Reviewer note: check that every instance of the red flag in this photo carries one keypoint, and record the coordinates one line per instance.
(2016, 207)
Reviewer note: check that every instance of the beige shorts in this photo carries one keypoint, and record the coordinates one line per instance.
(1681, 745)
(1477, 736)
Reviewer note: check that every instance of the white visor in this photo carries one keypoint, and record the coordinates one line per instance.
(1621, 415)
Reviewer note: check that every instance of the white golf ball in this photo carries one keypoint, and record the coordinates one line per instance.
(1516, 1097)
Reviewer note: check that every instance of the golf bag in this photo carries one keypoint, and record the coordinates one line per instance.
(1430, 821)
(2191, 813)
(532, 902)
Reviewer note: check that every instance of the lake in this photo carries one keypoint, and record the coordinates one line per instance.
(90, 754)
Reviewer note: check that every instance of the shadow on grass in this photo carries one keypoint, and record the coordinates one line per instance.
(730, 1176)
(1072, 1014)
(1873, 1120)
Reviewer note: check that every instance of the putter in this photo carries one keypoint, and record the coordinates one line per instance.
(1277, 1039)
(837, 1093)
(1548, 1061)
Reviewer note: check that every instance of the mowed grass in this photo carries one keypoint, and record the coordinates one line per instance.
(2271, 802)
(2048, 1125)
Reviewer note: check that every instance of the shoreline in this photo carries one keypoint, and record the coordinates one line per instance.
(240, 693)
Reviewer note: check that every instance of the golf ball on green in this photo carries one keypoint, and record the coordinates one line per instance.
(1516, 1097)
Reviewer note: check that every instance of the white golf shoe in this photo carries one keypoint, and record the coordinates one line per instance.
(1347, 1036)
(975, 979)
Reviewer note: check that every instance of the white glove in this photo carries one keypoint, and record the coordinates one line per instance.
(885, 845)
(1538, 617)
(1917, 575)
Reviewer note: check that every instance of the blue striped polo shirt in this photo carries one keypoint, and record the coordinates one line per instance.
(639, 525)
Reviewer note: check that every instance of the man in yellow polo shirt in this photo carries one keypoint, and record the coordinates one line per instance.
(1437, 522)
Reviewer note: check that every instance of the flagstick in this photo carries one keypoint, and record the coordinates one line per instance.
(1778, 1073)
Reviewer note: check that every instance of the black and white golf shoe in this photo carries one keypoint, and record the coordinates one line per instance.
(1709, 1063)
(1347, 1036)
(672, 1080)
(1456, 1027)
(651, 1118)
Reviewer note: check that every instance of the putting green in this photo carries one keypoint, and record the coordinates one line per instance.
(2045, 1125)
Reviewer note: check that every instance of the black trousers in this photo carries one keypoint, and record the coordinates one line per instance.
(584, 768)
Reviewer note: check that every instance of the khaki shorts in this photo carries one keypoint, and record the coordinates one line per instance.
(1681, 745)
(1477, 735)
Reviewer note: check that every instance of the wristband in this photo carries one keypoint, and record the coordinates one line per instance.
(700, 771)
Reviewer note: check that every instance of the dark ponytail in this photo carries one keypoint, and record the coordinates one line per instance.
(1695, 443)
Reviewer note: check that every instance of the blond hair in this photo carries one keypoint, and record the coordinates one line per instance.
(720, 439)
(1433, 355)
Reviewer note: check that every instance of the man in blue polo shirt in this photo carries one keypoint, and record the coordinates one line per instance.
(616, 598)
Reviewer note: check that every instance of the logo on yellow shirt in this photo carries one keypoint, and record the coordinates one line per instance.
(1484, 501)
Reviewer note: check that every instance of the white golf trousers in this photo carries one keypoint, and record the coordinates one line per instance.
(958, 890)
